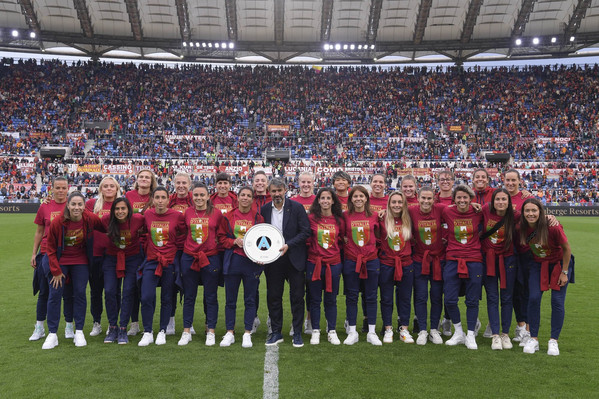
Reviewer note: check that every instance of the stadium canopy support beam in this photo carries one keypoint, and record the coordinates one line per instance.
(134, 19)
(422, 20)
(470, 22)
(231, 10)
(292, 56)
(577, 16)
(30, 17)
(279, 21)
(326, 20)
(373, 20)
(183, 16)
(268, 57)
(521, 21)
(84, 18)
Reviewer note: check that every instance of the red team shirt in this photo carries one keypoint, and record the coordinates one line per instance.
(180, 205)
(394, 247)
(412, 201)
(224, 204)
(163, 230)
(202, 231)
(100, 239)
(260, 201)
(378, 204)
(138, 202)
(343, 201)
(129, 237)
(443, 200)
(463, 239)
(239, 223)
(305, 201)
(427, 232)
(517, 201)
(46, 214)
(360, 232)
(496, 240)
(326, 238)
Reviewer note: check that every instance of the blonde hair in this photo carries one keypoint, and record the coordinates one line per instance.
(99, 205)
(406, 222)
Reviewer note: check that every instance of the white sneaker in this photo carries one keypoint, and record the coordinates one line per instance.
(532, 346)
(161, 338)
(146, 339)
(352, 338)
(524, 338)
(291, 331)
(308, 326)
(51, 341)
(470, 340)
(518, 333)
(185, 339)
(445, 326)
(458, 338)
(488, 332)
(477, 327)
(38, 333)
(133, 328)
(246, 342)
(228, 339)
(346, 326)
(505, 342)
(315, 338)
(256, 324)
(79, 338)
(553, 348)
(373, 339)
(96, 329)
(422, 337)
(332, 337)
(210, 339)
(496, 343)
(404, 335)
(388, 336)
(268, 326)
(192, 331)
(170, 328)
(69, 331)
(435, 337)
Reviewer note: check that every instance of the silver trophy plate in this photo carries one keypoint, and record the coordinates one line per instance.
(262, 243)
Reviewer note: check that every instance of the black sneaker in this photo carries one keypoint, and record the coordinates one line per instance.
(274, 339)
(123, 339)
(298, 342)
(112, 335)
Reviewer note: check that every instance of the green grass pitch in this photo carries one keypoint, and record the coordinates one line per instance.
(362, 371)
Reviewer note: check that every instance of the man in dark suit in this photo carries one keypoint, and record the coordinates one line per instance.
(289, 217)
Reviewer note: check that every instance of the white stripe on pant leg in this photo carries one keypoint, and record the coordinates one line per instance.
(271, 373)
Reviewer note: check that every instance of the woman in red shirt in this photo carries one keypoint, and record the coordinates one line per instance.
(70, 248)
(464, 264)
(237, 267)
(396, 266)
(362, 227)
(163, 225)
(501, 264)
(123, 258)
(551, 267)
(201, 262)
(324, 267)
(109, 191)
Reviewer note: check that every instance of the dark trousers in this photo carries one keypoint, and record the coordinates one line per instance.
(351, 282)
(79, 275)
(43, 263)
(149, 282)
(96, 286)
(421, 295)
(451, 288)
(241, 270)
(276, 274)
(209, 276)
(112, 286)
(315, 295)
(496, 295)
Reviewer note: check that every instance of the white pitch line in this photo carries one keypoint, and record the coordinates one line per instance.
(271, 373)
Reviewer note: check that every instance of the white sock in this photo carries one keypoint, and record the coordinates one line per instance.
(39, 323)
(171, 320)
(352, 329)
(470, 332)
(372, 328)
(79, 331)
(69, 324)
(458, 328)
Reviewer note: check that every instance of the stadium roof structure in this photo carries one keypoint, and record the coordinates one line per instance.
(303, 31)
